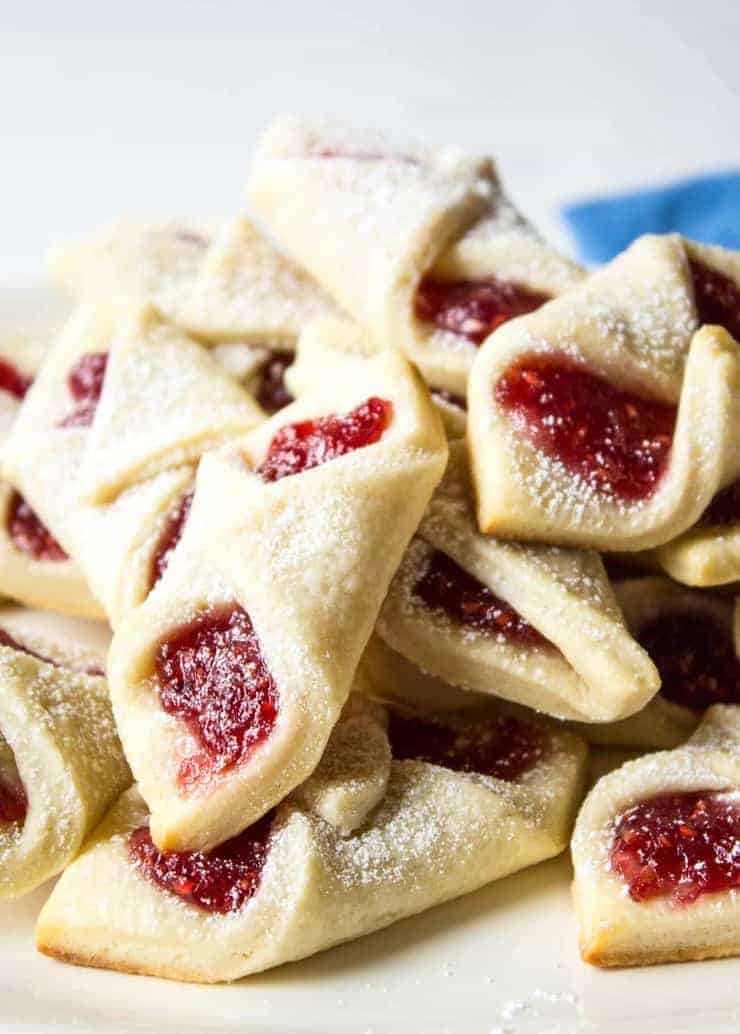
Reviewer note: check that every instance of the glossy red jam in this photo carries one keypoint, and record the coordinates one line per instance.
(272, 392)
(447, 587)
(678, 845)
(473, 309)
(29, 535)
(696, 659)
(443, 395)
(7, 640)
(724, 509)
(85, 383)
(13, 800)
(616, 441)
(500, 747)
(308, 444)
(211, 673)
(12, 380)
(170, 537)
(717, 298)
(221, 880)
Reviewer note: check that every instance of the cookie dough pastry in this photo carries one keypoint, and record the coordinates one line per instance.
(106, 444)
(228, 680)
(467, 801)
(532, 624)
(128, 262)
(222, 282)
(610, 417)
(419, 245)
(61, 763)
(329, 343)
(689, 637)
(655, 853)
(709, 553)
(34, 569)
(388, 676)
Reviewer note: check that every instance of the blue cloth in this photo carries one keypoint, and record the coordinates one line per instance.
(706, 208)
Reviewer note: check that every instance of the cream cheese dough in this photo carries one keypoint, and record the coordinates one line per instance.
(440, 830)
(61, 763)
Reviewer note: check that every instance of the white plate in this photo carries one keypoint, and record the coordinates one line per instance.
(501, 960)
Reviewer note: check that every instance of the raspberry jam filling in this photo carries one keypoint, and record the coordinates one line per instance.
(221, 880)
(717, 298)
(13, 800)
(473, 309)
(272, 392)
(12, 380)
(211, 673)
(443, 395)
(29, 535)
(678, 845)
(500, 747)
(85, 383)
(724, 509)
(170, 537)
(446, 587)
(695, 657)
(616, 441)
(308, 444)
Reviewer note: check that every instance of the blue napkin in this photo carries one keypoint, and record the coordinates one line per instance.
(706, 208)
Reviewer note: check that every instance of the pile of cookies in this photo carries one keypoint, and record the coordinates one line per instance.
(395, 513)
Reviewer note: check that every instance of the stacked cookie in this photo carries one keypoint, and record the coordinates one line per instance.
(391, 513)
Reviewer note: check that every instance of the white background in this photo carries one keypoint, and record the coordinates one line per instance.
(154, 107)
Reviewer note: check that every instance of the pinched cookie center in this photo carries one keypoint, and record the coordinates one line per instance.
(473, 309)
(717, 297)
(615, 441)
(211, 673)
(311, 443)
(85, 384)
(678, 845)
(498, 746)
(221, 880)
(29, 535)
(445, 586)
(12, 380)
(695, 657)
